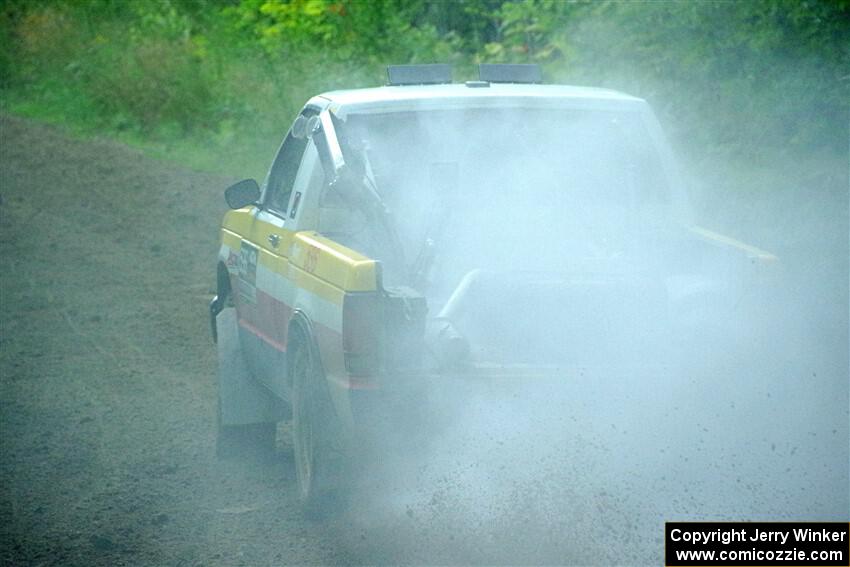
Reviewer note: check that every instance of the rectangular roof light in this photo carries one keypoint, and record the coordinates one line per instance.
(513, 73)
(419, 74)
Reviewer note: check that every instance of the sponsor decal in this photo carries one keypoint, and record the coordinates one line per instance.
(247, 271)
(232, 262)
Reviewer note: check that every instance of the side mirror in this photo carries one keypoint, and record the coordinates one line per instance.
(242, 194)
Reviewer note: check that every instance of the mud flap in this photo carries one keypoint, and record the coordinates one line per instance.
(242, 400)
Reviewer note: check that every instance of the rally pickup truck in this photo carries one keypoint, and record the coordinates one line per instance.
(427, 229)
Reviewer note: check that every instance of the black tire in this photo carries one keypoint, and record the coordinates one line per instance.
(319, 461)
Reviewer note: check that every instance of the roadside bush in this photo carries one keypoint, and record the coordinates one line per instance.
(730, 76)
(37, 42)
(149, 83)
(744, 75)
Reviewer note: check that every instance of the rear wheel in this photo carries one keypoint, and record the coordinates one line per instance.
(318, 458)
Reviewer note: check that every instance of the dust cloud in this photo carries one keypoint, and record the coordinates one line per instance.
(608, 369)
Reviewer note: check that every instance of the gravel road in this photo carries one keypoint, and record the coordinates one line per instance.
(107, 398)
(107, 370)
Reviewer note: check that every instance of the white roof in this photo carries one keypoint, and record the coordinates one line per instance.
(423, 97)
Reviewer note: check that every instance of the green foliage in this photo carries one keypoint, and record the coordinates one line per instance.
(528, 32)
(742, 74)
(224, 77)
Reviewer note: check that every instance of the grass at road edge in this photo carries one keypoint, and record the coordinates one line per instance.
(231, 152)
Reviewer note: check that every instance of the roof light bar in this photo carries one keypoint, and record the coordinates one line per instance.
(419, 74)
(513, 73)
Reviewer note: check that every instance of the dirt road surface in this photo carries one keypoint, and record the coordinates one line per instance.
(108, 370)
(107, 397)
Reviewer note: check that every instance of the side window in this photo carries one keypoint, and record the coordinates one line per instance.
(283, 173)
(308, 186)
(338, 218)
